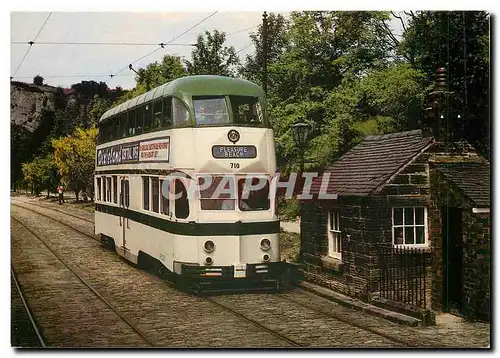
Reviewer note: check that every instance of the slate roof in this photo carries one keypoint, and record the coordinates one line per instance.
(372, 162)
(472, 178)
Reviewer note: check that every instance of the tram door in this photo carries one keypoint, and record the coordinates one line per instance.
(124, 204)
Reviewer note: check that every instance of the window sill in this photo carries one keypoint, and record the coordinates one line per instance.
(332, 263)
(425, 248)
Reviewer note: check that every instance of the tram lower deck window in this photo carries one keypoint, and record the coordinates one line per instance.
(164, 192)
(115, 189)
(182, 202)
(103, 188)
(145, 192)
(219, 195)
(253, 194)
(108, 187)
(98, 191)
(155, 193)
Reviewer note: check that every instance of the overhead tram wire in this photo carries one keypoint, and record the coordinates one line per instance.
(31, 44)
(241, 49)
(162, 45)
(82, 75)
(99, 43)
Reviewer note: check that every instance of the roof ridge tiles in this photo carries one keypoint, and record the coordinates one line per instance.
(415, 132)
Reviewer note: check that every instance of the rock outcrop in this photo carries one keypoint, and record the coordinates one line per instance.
(29, 102)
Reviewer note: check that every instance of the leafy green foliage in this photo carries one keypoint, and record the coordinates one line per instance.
(41, 173)
(211, 57)
(458, 41)
(156, 74)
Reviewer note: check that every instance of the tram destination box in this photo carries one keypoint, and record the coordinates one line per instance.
(234, 151)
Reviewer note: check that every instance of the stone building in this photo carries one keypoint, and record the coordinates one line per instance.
(405, 191)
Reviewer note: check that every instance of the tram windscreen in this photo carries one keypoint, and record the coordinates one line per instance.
(217, 194)
(247, 110)
(253, 194)
(210, 110)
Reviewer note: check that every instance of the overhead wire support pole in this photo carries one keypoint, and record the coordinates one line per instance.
(264, 52)
(31, 45)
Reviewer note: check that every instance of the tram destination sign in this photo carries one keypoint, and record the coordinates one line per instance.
(234, 151)
(155, 150)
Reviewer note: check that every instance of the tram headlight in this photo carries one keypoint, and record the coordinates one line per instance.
(265, 244)
(266, 258)
(209, 246)
(208, 261)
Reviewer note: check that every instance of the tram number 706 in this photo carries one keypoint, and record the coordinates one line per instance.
(235, 165)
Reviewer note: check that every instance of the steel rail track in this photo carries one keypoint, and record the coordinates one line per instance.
(351, 323)
(135, 329)
(58, 221)
(269, 330)
(60, 211)
(27, 308)
(294, 343)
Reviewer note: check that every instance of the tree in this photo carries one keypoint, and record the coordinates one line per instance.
(211, 57)
(41, 173)
(318, 53)
(99, 106)
(458, 41)
(156, 74)
(75, 159)
(277, 43)
(38, 80)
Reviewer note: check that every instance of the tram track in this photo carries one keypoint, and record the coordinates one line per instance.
(59, 221)
(228, 309)
(27, 310)
(349, 322)
(290, 341)
(82, 280)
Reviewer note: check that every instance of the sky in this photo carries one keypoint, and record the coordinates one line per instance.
(97, 62)
(64, 64)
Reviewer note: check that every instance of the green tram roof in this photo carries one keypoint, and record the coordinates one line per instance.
(186, 87)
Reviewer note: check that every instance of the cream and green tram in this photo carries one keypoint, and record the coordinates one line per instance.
(160, 159)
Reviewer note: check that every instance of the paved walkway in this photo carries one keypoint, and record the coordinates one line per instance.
(291, 226)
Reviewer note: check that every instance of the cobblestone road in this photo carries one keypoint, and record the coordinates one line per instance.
(176, 319)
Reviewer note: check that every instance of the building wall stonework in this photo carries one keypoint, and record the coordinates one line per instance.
(366, 224)
(476, 237)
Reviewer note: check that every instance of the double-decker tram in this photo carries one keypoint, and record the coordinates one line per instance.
(182, 184)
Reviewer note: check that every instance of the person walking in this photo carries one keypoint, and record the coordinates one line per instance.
(60, 190)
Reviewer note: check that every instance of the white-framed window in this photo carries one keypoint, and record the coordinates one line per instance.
(108, 189)
(409, 226)
(334, 239)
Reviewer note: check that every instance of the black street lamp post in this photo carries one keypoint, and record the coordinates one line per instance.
(300, 133)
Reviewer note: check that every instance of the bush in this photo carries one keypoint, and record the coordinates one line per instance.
(288, 209)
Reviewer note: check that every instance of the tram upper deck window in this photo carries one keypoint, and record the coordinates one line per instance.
(247, 110)
(253, 194)
(148, 111)
(180, 113)
(157, 114)
(139, 117)
(131, 122)
(166, 119)
(218, 194)
(210, 110)
(123, 125)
